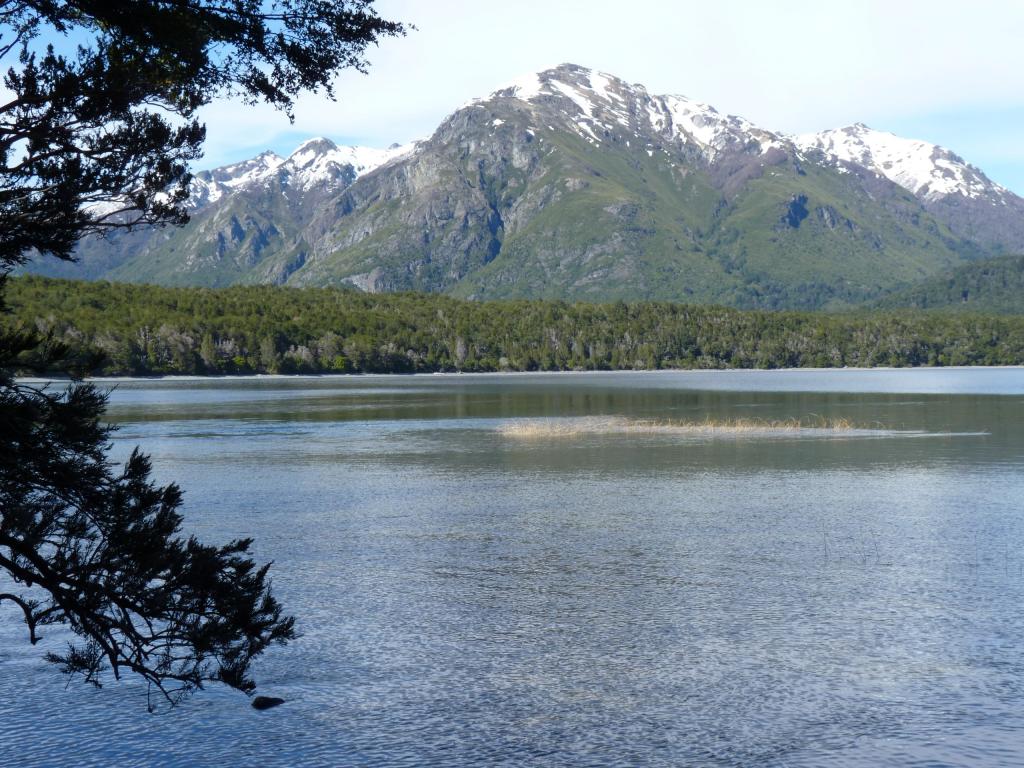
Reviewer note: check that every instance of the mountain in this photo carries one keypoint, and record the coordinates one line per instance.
(240, 213)
(957, 193)
(991, 286)
(315, 164)
(575, 184)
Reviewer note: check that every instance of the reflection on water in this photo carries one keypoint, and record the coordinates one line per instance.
(610, 597)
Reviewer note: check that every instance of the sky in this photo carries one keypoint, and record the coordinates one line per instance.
(948, 72)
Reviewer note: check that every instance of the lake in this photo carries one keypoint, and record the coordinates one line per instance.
(777, 568)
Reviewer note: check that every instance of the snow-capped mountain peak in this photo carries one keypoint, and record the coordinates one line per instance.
(594, 99)
(597, 106)
(321, 160)
(596, 103)
(929, 171)
(599, 102)
(315, 162)
(210, 186)
(709, 128)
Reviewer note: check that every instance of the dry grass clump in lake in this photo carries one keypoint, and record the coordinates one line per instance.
(573, 427)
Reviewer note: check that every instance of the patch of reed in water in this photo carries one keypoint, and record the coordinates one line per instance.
(570, 427)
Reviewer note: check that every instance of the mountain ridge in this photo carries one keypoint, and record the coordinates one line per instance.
(572, 183)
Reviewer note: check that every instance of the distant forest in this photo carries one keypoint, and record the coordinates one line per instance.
(991, 285)
(150, 330)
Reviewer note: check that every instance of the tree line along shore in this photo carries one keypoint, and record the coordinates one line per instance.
(125, 329)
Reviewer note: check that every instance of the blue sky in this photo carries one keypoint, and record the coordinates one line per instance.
(947, 72)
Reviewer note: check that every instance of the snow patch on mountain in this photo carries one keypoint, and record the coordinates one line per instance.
(700, 121)
(601, 103)
(605, 102)
(929, 171)
(526, 87)
(210, 186)
(315, 162)
(321, 162)
(710, 129)
(604, 86)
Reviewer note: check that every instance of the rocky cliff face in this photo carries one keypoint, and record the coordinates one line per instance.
(575, 184)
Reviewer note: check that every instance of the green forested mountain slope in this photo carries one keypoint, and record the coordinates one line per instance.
(991, 286)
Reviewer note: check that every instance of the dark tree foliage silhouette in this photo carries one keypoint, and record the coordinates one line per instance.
(97, 129)
(99, 550)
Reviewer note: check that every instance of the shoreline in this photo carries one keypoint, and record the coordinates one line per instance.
(464, 374)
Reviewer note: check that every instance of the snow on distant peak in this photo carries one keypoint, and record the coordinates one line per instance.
(928, 170)
(707, 127)
(322, 162)
(594, 104)
(366, 159)
(310, 152)
(546, 83)
(237, 173)
(314, 162)
(603, 101)
(210, 186)
(525, 87)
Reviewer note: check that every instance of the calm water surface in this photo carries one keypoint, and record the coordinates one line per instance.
(600, 594)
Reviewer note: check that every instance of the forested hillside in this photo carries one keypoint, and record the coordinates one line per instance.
(993, 285)
(145, 330)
